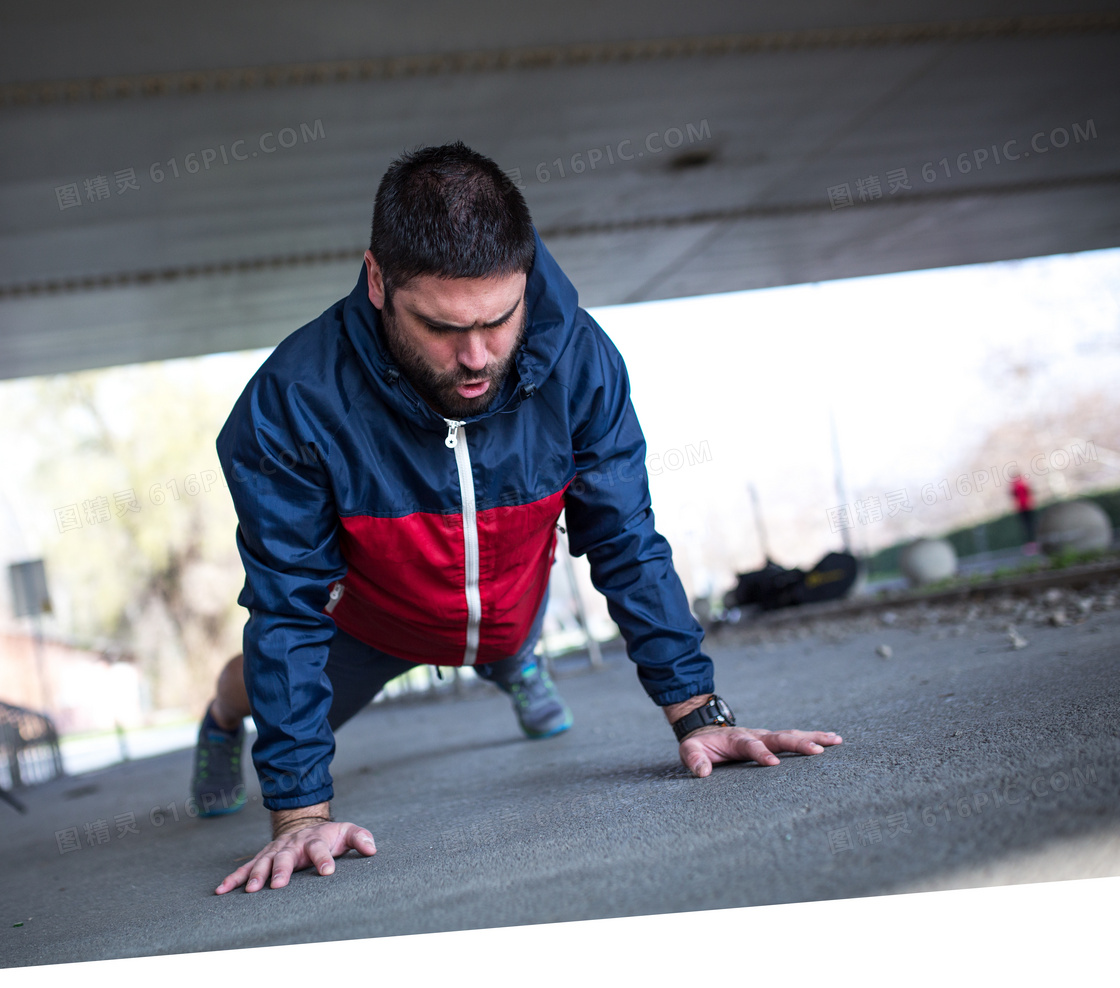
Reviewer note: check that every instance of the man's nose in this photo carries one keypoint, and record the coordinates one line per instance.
(472, 350)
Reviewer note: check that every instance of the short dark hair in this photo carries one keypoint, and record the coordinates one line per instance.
(451, 212)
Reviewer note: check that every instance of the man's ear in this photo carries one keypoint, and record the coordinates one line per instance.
(375, 283)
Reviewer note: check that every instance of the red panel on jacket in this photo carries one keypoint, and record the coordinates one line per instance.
(405, 589)
(516, 549)
(405, 586)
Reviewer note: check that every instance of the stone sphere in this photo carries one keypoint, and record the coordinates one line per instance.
(927, 561)
(1076, 525)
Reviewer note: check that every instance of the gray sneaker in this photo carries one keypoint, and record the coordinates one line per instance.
(218, 785)
(541, 710)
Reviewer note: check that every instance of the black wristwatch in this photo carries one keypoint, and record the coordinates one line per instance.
(715, 711)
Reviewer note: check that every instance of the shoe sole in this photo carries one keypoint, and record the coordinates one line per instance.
(222, 811)
(548, 734)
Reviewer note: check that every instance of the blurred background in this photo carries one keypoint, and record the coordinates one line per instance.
(859, 257)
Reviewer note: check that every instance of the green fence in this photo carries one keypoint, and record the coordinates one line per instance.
(996, 535)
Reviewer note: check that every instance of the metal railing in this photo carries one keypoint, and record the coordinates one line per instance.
(29, 751)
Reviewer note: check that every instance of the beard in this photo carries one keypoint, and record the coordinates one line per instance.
(438, 390)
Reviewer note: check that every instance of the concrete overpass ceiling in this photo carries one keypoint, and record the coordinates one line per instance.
(65, 39)
(183, 181)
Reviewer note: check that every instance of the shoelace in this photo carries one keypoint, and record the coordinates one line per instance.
(216, 739)
(536, 686)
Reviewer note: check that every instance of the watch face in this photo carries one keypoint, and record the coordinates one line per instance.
(725, 710)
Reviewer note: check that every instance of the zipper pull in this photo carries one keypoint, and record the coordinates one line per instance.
(452, 439)
(335, 596)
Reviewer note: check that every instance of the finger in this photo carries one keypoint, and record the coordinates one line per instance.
(233, 881)
(362, 841)
(282, 867)
(818, 737)
(696, 760)
(319, 851)
(804, 742)
(261, 869)
(796, 741)
(745, 748)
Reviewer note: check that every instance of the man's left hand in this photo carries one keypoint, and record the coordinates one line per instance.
(712, 745)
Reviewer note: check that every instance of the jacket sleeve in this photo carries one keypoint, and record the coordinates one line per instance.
(288, 539)
(610, 519)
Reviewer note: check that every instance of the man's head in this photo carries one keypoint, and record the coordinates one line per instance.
(450, 248)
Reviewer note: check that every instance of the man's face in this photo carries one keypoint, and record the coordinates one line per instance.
(454, 338)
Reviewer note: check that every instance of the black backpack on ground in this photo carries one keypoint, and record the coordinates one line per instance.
(774, 586)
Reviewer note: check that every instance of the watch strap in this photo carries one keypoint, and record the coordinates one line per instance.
(715, 711)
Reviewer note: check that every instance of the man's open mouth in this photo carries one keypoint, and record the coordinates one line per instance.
(474, 390)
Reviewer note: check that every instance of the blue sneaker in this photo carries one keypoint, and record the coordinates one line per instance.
(218, 785)
(541, 710)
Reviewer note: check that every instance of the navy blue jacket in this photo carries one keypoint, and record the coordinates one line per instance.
(361, 508)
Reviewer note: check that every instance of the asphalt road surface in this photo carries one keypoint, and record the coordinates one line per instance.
(966, 763)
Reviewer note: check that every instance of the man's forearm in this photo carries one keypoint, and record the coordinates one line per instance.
(285, 821)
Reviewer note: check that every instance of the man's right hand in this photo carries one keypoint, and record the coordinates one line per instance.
(314, 844)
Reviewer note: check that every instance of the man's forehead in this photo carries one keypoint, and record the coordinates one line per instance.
(462, 301)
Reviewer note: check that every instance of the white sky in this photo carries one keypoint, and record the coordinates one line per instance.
(909, 362)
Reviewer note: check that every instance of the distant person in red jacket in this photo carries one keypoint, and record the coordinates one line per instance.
(1024, 501)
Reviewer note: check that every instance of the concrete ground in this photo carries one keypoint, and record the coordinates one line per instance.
(967, 762)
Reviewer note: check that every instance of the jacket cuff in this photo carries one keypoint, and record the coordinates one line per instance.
(682, 693)
(294, 802)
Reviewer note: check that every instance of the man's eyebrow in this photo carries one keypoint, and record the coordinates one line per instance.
(439, 324)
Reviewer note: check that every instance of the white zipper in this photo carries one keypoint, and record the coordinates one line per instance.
(336, 595)
(457, 440)
(453, 426)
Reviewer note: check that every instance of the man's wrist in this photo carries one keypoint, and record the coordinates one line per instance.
(675, 711)
(702, 713)
(286, 821)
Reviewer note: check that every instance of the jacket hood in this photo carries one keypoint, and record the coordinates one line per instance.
(552, 306)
